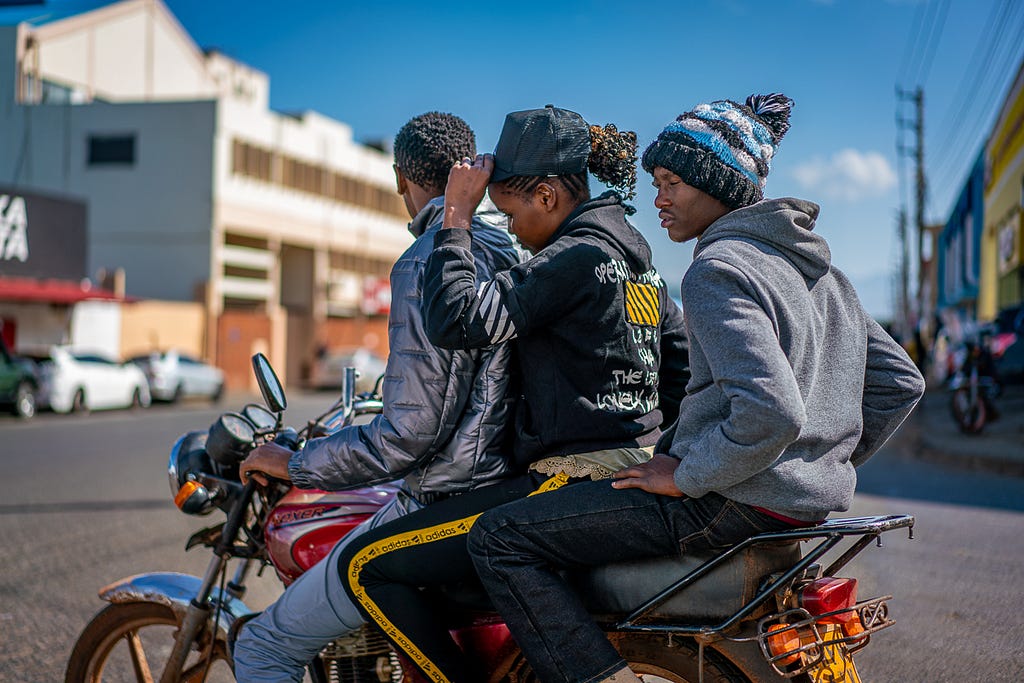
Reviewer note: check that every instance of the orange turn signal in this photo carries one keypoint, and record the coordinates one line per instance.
(185, 492)
(783, 638)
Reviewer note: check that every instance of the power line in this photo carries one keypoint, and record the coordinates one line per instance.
(912, 43)
(979, 89)
(933, 42)
(975, 131)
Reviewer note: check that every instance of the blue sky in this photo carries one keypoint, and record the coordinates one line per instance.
(374, 65)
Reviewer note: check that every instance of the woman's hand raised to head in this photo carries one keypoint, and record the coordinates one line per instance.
(467, 182)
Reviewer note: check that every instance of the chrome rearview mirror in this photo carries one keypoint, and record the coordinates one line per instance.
(270, 385)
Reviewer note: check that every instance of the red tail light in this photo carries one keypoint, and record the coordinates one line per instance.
(830, 595)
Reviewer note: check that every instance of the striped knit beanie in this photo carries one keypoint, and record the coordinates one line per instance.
(724, 148)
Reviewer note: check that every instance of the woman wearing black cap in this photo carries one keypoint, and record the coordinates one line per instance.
(601, 347)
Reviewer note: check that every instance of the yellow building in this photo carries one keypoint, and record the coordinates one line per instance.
(1002, 275)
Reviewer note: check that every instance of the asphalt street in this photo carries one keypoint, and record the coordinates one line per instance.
(84, 501)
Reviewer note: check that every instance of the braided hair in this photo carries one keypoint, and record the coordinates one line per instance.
(612, 160)
(429, 145)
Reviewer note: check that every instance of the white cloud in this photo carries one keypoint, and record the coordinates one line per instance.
(850, 174)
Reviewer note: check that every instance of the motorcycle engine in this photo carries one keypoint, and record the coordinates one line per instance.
(362, 657)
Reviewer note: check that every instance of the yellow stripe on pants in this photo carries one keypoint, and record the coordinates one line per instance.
(411, 539)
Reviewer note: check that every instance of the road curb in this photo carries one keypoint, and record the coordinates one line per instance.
(922, 450)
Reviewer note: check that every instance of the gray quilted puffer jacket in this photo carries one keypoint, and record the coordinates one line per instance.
(446, 418)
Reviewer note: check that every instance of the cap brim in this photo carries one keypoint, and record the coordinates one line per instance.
(499, 174)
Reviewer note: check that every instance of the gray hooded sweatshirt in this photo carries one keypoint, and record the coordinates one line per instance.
(792, 382)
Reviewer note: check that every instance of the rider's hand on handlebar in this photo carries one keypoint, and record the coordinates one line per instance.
(653, 476)
(269, 459)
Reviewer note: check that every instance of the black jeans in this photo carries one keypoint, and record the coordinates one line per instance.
(384, 569)
(519, 547)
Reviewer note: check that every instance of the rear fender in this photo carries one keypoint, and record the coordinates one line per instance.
(176, 591)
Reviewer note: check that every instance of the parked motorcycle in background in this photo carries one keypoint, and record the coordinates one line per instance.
(758, 611)
(974, 386)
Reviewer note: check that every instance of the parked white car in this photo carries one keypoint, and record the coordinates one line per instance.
(75, 381)
(173, 375)
(329, 368)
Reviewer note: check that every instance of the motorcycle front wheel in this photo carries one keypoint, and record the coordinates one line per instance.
(131, 642)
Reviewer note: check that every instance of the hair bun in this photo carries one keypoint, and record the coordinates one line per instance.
(773, 109)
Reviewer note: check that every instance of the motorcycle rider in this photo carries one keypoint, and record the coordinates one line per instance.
(600, 344)
(793, 385)
(442, 428)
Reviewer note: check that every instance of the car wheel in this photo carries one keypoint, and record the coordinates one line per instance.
(218, 393)
(78, 404)
(179, 391)
(137, 399)
(25, 401)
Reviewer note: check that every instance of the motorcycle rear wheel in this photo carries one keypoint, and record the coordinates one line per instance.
(654, 661)
(971, 416)
(130, 641)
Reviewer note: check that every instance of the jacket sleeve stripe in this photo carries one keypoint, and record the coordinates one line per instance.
(493, 314)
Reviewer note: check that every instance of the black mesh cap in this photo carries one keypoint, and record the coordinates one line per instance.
(541, 142)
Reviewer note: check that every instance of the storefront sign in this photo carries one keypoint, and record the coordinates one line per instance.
(41, 237)
(1008, 244)
(376, 296)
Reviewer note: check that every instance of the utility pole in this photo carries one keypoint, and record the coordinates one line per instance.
(923, 262)
(904, 276)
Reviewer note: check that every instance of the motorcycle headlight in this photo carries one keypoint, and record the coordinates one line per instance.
(188, 455)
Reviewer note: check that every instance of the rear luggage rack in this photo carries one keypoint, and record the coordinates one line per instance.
(831, 533)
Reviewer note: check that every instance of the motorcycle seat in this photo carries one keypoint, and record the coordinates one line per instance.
(614, 590)
(618, 589)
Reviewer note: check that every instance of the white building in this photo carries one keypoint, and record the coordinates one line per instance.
(282, 225)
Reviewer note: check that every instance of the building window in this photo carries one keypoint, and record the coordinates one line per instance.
(111, 149)
(302, 176)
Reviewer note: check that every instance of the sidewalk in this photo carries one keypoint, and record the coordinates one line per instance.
(999, 448)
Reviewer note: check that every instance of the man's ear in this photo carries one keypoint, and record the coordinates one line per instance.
(546, 195)
(401, 184)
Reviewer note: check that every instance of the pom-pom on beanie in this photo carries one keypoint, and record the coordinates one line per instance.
(724, 148)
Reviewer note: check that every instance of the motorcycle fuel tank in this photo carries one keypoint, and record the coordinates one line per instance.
(306, 523)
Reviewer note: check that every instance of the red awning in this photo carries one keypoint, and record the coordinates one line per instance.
(51, 291)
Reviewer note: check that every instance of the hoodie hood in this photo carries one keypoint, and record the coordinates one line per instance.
(433, 211)
(605, 217)
(428, 215)
(784, 224)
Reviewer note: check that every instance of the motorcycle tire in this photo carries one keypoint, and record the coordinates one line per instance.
(654, 661)
(970, 417)
(130, 642)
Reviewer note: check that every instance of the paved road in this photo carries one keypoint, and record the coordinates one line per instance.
(84, 501)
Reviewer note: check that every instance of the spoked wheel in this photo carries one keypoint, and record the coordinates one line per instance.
(654, 662)
(131, 642)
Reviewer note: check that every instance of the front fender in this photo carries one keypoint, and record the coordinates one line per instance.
(175, 591)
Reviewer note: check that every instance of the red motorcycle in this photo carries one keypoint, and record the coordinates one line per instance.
(758, 611)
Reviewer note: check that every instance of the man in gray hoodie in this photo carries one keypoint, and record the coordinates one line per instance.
(792, 386)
